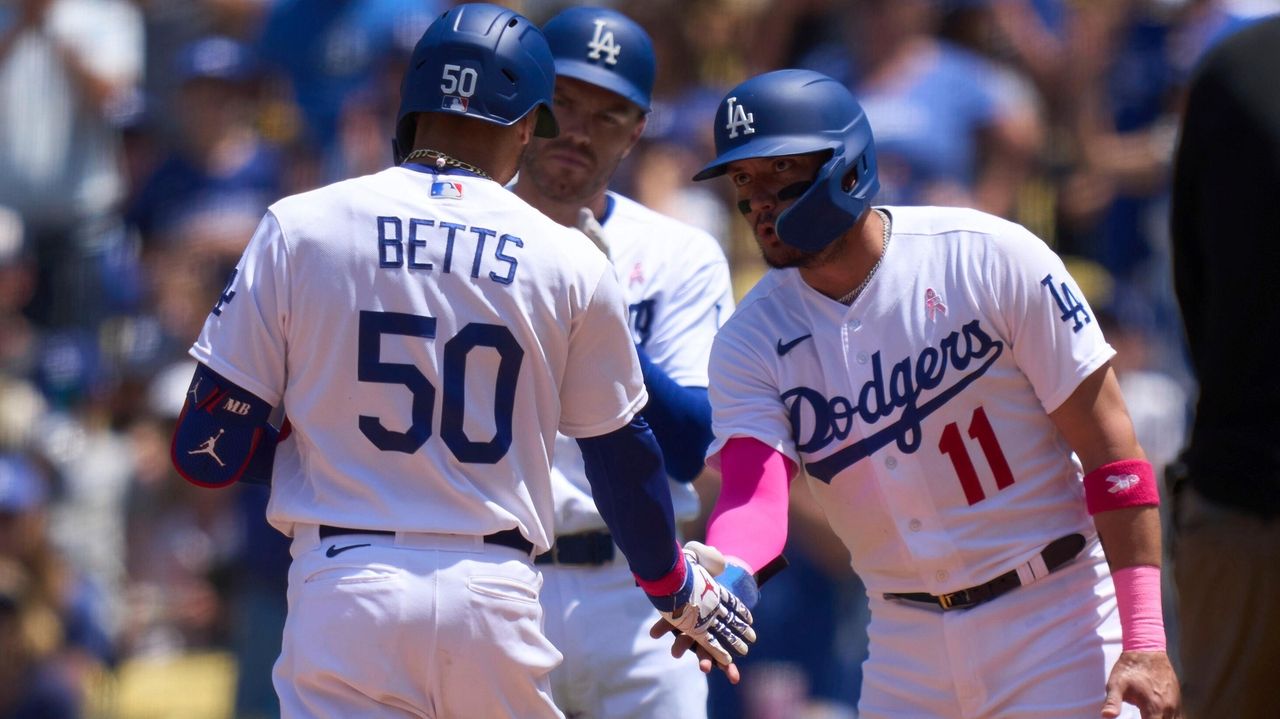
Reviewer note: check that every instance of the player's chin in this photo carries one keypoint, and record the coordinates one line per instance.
(776, 252)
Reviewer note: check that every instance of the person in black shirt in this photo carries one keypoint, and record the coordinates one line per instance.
(1226, 254)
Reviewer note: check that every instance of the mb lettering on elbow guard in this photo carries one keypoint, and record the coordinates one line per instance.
(1119, 485)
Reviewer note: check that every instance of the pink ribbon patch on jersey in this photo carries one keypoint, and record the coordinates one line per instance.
(933, 303)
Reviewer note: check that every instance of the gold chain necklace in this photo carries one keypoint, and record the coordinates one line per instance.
(442, 161)
(884, 248)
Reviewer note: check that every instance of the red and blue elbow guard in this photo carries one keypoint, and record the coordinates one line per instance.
(222, 434)
(1117, 485)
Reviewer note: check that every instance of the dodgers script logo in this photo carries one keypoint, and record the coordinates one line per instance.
(603, 43)
(832, 419)
(739, 119)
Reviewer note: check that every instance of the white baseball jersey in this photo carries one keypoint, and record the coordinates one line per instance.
(919, 413)
(676, 283)
(428, 334)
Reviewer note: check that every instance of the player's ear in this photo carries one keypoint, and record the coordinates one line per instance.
(636, 132)
(526, 126)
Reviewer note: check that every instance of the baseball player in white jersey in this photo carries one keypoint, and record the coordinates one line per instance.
(428, 333)
(676, 283)
(930, 372)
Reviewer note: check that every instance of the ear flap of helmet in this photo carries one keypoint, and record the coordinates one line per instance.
(793, 112)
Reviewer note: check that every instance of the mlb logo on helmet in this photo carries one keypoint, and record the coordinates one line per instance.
(446, 190)
(454, 103)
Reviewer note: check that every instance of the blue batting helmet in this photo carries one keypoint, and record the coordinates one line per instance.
(795, 112)
(604, 48)
(482, 61)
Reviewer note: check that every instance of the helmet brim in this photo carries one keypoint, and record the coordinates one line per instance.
(605, 79)
(546, 124)
(773, 146)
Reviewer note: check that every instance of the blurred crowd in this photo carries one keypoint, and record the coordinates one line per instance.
(142, 140)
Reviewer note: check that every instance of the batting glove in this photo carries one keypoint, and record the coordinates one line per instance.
(708, 613)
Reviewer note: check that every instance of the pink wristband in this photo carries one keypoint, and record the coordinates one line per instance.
(1117, 485)
(1138, 600)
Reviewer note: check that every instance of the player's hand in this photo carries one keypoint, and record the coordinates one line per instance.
(1145, 680)
(708, 614)
(684, 643)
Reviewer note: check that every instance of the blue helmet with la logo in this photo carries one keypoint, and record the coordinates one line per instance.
(796, 112)
(604, 48)
(482, 61)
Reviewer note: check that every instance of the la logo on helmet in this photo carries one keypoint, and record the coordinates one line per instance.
(739, 119)
(603, 42)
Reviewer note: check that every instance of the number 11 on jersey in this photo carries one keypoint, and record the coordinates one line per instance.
(952, 445)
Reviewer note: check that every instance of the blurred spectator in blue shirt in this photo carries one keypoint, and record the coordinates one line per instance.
(328, 50)
(952, 128)
(198, 209)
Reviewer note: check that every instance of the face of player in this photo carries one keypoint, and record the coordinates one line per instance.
(758, 181)
(597, 129)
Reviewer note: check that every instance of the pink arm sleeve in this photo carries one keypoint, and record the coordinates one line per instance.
(750, 518)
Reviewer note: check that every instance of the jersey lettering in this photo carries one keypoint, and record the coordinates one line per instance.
(502, 257)
(1072, 309)
(603, 43)
(227, 294)
(371, 368)
(739, 119)
(641, 320)
(832, 420)
(416, 244)
(390, 242)
(392, 252)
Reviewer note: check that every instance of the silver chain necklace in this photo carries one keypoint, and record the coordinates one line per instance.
(884, 248)
(442, 161)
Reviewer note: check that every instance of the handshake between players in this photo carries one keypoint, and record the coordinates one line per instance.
(712, 617)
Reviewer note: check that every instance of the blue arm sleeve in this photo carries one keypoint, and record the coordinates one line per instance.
(681, 420)
(629, 484)
(222, 434)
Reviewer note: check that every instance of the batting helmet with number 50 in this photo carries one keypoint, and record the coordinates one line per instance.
(482, 61)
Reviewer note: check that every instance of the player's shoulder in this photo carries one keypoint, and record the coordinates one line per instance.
(978, 246)
(335, 198)
(942, 221)
(958, 225)
(774, 303)
(659, 230)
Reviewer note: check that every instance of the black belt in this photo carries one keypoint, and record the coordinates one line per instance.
(1059, 552)
(506, 538)
(584, 549)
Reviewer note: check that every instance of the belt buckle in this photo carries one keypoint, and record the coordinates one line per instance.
(948, 601)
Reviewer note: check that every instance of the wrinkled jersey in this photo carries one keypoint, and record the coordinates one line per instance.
(919, 413)
(429, 334)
